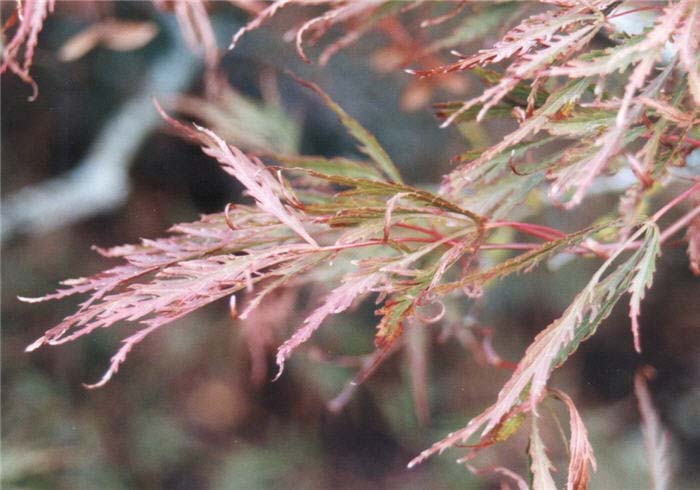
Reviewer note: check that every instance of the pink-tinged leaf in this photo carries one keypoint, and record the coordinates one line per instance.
(390, 204)
(368, 143)
(577, 177)
(533, 32)
(656, 439)
(119, 358)
(540, 465)
(176, 290)
(444, 17)
(631, 52)
(535, 45)
(528, 67)
(688, 44)
(580, 450)
(261, 185)
(339, 300)
(551, 348)
(328, 19)
(262, 16)
(417, 353)
(198, 31)
(504, 428)
(32, 14)
(252, 173)
(693, 237)
(643, 279)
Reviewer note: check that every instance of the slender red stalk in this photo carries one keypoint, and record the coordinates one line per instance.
(539, 231)
(676, 200)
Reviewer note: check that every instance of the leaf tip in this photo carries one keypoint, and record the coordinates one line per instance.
(35, 345)
(26, 299)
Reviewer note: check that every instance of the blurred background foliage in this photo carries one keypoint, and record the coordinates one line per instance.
(187, 410)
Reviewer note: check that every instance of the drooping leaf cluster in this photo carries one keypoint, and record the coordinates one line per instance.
(592, 100)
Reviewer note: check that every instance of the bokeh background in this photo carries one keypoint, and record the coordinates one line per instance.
(184, 411)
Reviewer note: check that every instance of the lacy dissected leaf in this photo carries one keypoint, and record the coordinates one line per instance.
(535, 31)
(197, 30)
(343, 167)
(252, 173)
(544, 46)
(540, 464)
(340, 299)
(590, 160)
(209, 235)
(693, 237)
(632, 51)
(260, 184)
(473, 26)
(375, 275)
(31, 15)
(644, 52)
(175, 291)
(264, 15)
(359, 16)
(251, 125)
(553, 346)
(580, 450)
(582, 122)
(210, 259)
(556, 101)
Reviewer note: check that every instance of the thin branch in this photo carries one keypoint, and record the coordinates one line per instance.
(100, 182)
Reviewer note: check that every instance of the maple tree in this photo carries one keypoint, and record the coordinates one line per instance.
(583, 112)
